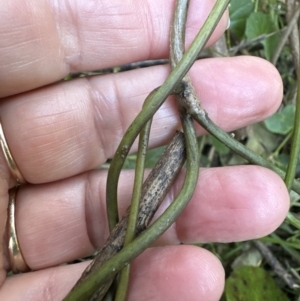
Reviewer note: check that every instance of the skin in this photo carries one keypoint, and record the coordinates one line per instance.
(59, 131)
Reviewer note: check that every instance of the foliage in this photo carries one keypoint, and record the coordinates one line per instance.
(255, 30)
(240, 10)
(282, 122)
(151, 158)
(252, 284)
(259, 24)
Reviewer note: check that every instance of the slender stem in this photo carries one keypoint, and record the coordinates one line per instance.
(256, 6)
(155, 188)
(134, 207)
(119, 158)
(283, 143)
(290, 248)
(155, 101)
(138, 182)
(275, 264)
(279, 241)
(285, 35)
(293, 220)
(177, 40)
(294, 37)
(291, 170)
(123, 284)
(83, 290)
(202, 118)
(201, 144)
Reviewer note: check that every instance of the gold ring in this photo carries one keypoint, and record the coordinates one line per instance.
(9, 159)
(17, 262)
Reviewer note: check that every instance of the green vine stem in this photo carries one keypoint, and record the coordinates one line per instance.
(155, 100)
(295, 148)
(193, 106)
(277, 240)
(155, 188)
(291, 170)
(99, 276)
(177, 40)
(293, 220)
(282, 144)
(203, 119)
(134, 207)
(83, 290)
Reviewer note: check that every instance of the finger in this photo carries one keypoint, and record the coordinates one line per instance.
(168, 273)
(229, 204)
(69, 128)
(42, 41)
(243, 198)
(49, 284)
(165, 273)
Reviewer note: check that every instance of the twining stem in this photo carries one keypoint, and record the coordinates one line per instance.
(155, 100)
(103, 269)
(99, 276)
(155, 188)
(193, 106)
(134, 207)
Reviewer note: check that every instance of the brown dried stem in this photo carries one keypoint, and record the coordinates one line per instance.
(154, 190)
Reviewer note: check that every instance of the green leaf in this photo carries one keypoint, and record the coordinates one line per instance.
(130, 162)
(259, 24)
(239, 11)
(260, 140)
(252, 284)
(151, 158)
(250, 257)
(282, 122)
(219, 146)
(153, 155)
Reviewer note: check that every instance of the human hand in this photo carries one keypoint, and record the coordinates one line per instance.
(59, 131)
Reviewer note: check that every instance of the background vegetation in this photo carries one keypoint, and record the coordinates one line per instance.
(269, 270)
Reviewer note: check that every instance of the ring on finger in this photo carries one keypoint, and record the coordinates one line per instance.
(17, 261)
(9, 158)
